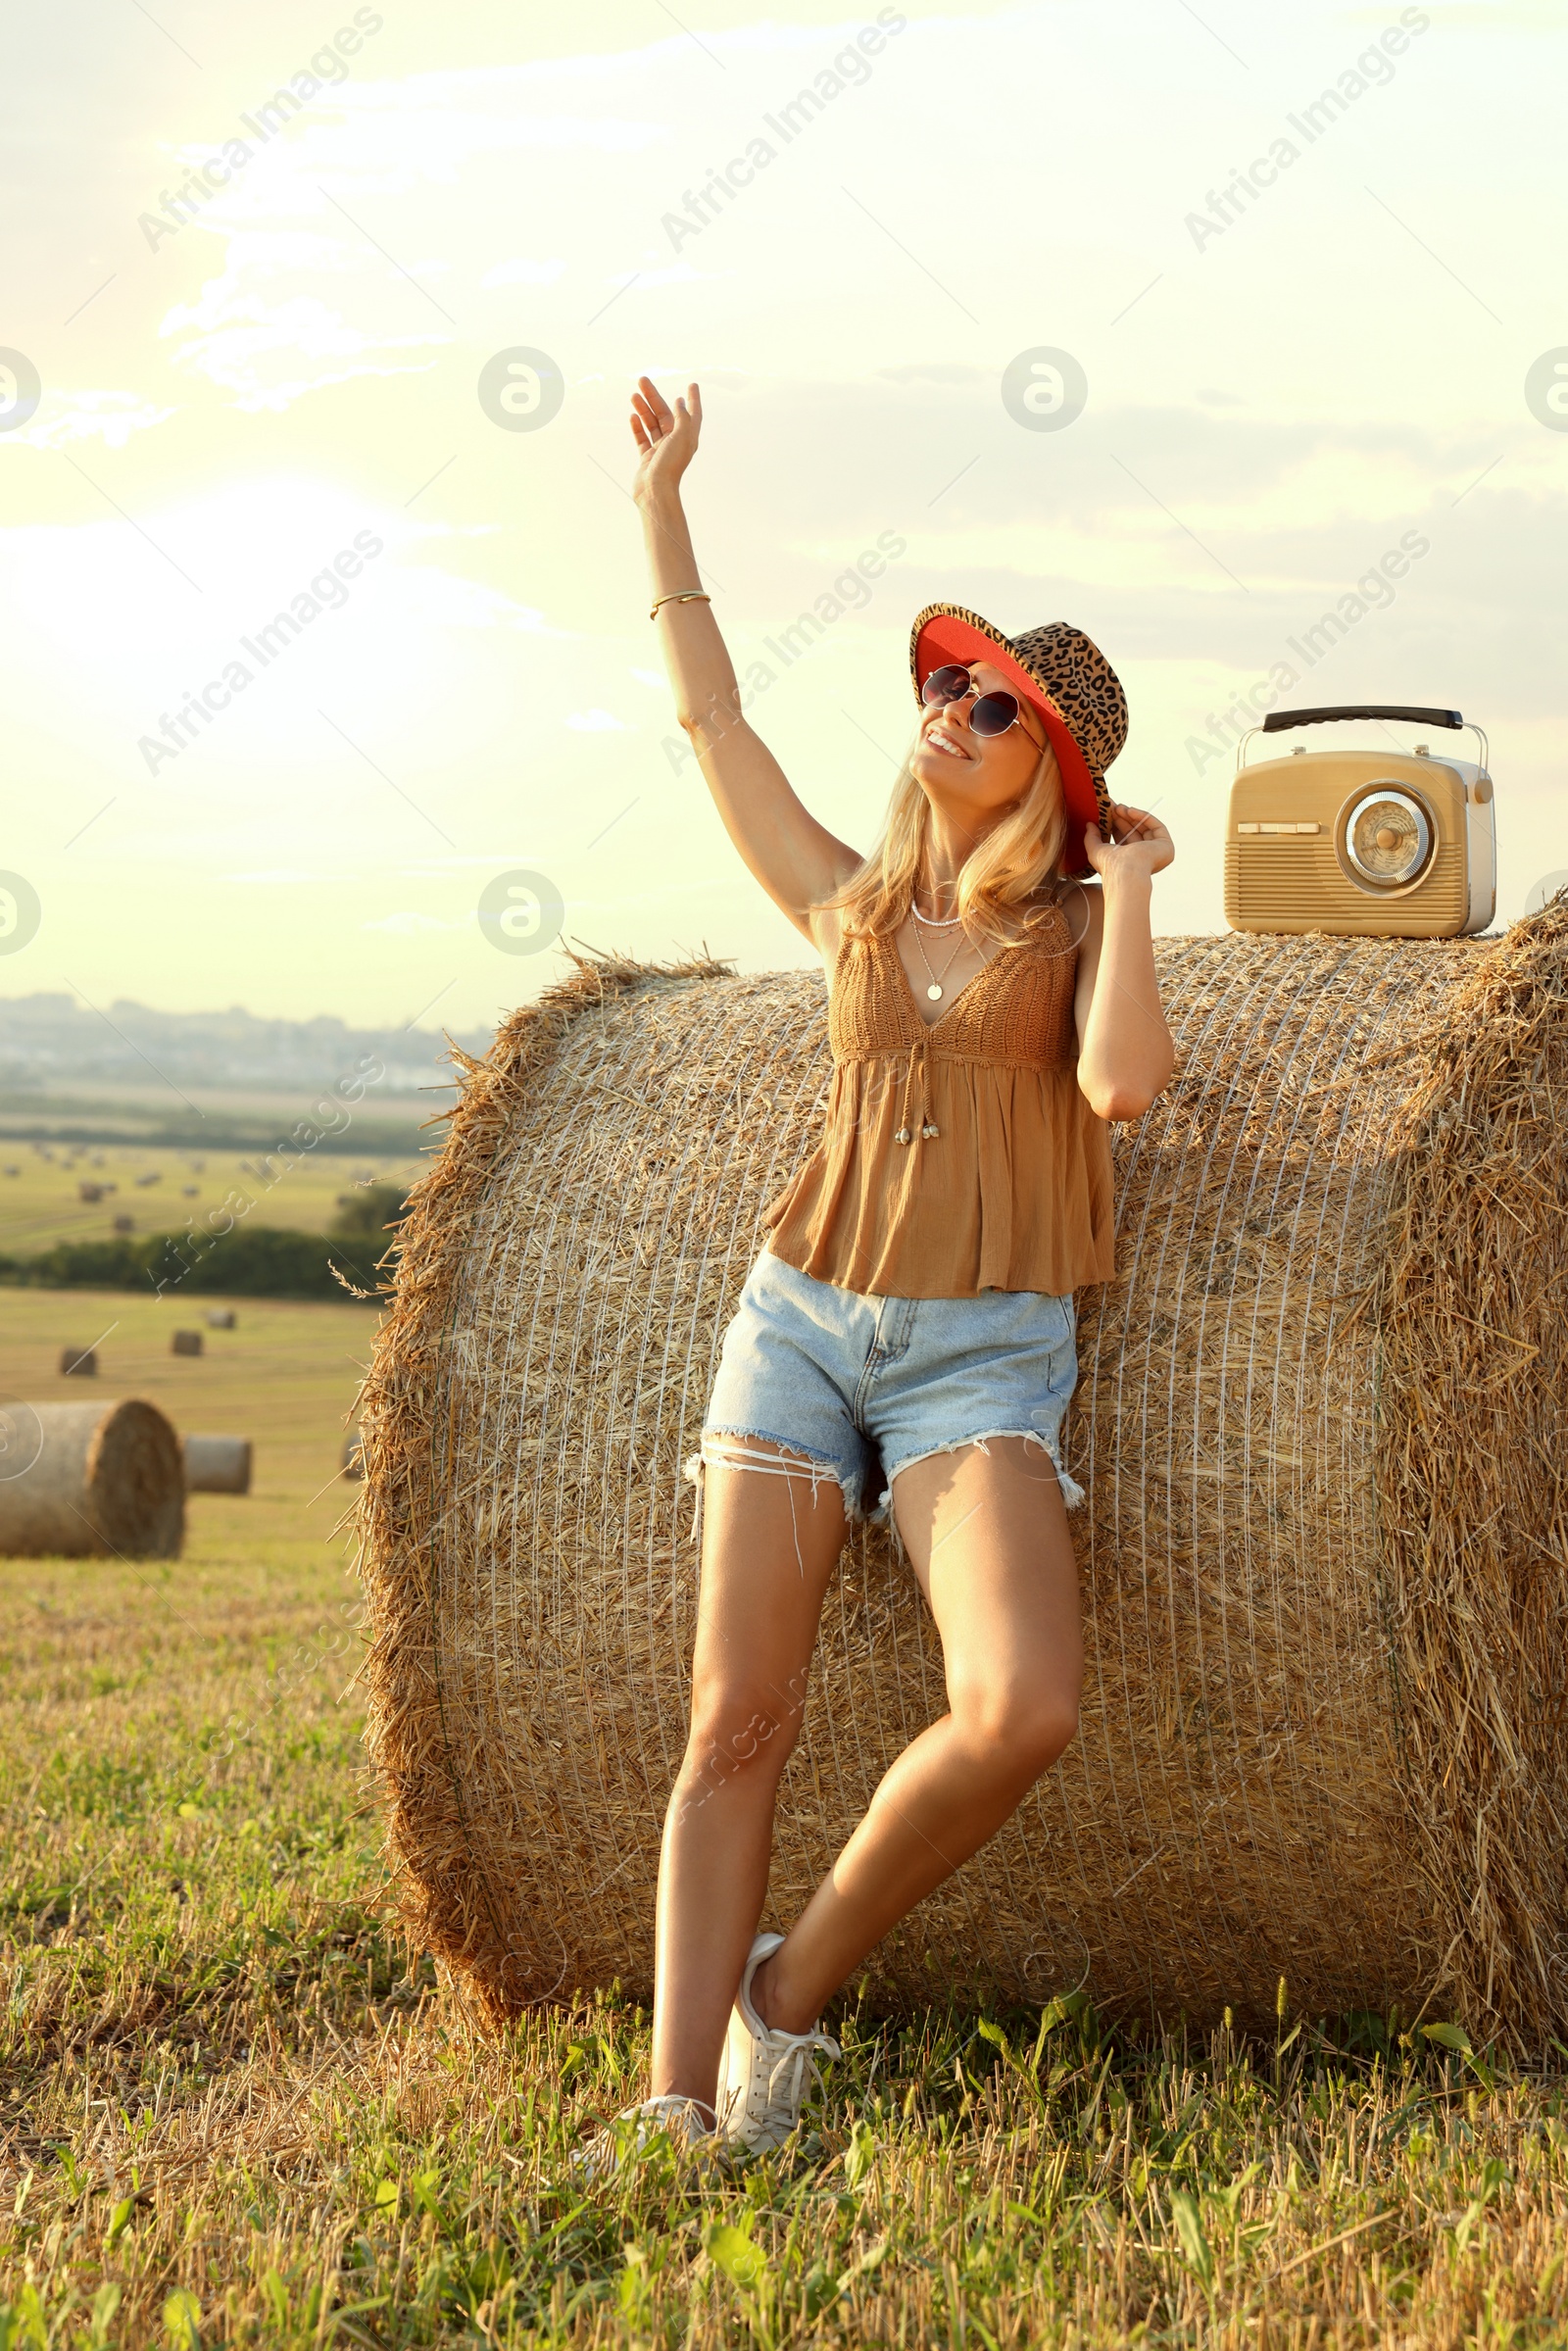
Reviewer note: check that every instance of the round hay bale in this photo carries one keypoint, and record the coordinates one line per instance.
(217, 1464)
(1320, 1422)
(79, 1362)
(99, 1479)
(185, 1343)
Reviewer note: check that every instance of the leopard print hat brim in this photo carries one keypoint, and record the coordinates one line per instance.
(1064, 676)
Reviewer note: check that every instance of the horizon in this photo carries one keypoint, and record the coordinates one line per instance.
(63, 996)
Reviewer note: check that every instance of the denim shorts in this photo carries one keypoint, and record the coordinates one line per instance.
(864, 1387)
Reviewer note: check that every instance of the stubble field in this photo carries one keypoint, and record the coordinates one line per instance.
(235, 2110)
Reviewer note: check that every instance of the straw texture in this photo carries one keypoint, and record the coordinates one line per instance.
(1323, 1555)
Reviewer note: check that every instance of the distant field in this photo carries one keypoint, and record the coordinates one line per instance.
(203, 1118)
(285, 1377)
(159, 1188)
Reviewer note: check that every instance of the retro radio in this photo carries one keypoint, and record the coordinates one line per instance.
(1361, 843)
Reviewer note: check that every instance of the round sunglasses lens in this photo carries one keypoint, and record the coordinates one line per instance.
(994, 714)
(945, 685)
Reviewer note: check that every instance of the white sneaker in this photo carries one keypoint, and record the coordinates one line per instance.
(682, 2120)
(763, 2070)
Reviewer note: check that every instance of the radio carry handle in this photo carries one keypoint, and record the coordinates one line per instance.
(1412, 714)
(1277, 719)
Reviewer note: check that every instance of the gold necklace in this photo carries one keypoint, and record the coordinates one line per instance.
(935, 991)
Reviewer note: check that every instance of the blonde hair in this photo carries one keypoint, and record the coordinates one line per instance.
(1006, 870)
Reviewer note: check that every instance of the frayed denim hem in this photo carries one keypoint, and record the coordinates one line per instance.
(1072, 1493)
(741, 1449)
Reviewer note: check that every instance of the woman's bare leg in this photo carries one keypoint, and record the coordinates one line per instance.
(769, 1546)
(986, 1534)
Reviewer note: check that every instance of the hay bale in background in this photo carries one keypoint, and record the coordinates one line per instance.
(100, 1478)
(217, 1464)
(79, 1362)
(220, 1318)
(185, 1343)
(1322, 1559)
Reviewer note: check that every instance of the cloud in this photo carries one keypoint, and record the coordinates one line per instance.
(320, 203)
(255, 349)
(92, 416)
(451, 600)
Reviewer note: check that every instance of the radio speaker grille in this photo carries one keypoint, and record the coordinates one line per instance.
(1281, 885)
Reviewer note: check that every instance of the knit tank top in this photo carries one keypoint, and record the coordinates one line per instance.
(959, 1157)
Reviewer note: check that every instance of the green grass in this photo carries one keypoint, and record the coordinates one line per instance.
(40, 1203)
(232, 2112)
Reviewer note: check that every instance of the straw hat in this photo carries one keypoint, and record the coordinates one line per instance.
(1064, 676)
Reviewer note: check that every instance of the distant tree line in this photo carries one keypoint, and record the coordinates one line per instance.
(251, 1261)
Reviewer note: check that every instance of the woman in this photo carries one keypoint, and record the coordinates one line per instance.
(905, 1337)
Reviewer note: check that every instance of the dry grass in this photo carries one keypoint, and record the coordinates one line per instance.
(1323, 1557)
(229, 2115)
(286, 1375)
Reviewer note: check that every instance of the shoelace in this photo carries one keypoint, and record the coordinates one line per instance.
(800, 2054)
(661, 2112)
(604, 2149)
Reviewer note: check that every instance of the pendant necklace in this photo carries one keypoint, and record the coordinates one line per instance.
(935, 991)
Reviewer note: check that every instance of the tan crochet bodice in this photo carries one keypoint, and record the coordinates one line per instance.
(957, 1157)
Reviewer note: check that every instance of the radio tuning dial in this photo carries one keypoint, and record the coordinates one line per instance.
(1388, 837)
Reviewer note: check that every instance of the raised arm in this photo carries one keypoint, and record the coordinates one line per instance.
(797, 861)
(1125, 1053)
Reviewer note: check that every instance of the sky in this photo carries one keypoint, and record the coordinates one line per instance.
(1297, 334)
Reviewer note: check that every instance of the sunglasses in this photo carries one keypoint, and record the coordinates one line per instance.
(992, 715)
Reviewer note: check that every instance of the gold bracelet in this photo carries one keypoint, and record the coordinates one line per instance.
(680, 596)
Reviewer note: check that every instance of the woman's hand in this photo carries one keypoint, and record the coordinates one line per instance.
(1139, 845)
(667, 437)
